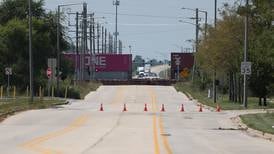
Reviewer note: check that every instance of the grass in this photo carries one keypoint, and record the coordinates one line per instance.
(11, 106)
(262, 121)
(85, 88)
(224, 102)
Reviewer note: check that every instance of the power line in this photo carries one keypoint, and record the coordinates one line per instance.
(140, 15)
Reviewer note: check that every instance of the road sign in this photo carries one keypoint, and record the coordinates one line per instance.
(52, 63)
(8, 71)
(184, 73)
(49, 72)
(246, 68)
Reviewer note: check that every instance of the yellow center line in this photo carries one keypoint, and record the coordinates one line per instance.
(165, 139)
(155, 132)
(34, 144)
(155, 136)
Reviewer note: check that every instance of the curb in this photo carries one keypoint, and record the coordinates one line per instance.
(251, 132)
(188, 95)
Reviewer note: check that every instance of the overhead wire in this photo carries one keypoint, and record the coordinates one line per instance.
(140, 15)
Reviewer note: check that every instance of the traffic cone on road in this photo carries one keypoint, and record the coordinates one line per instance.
(125, 108)
(145, 109)
(163, 108)
(101, 108)
(218, 109)
(200, 108)
(182, 108)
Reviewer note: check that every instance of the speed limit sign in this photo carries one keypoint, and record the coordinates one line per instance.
(246, 68)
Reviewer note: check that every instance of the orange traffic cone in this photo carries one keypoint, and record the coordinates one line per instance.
(218, 109)
(125, 108)
(163, 108)
(182, 108)
(101, 108)
(145, 109)
(201, 108)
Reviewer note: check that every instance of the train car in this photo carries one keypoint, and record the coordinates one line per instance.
(101, 66)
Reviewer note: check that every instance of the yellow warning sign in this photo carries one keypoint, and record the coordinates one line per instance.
(184, 73)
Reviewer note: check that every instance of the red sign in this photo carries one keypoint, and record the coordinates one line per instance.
(104, 62)
(49, 72)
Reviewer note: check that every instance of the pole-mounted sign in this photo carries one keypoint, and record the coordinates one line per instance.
(8, 71)
(246, 68)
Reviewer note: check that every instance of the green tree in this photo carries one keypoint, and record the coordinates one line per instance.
(14, 42)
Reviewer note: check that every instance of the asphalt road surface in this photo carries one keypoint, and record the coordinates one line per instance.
(81, 128)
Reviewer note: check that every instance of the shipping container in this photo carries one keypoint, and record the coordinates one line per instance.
(103, 66)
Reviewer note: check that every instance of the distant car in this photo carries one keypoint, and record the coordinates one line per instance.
(141, 75)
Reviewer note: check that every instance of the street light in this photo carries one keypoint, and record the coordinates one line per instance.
(58, 41)
(116, 3)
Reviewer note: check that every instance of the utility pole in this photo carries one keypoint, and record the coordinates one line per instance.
(109, 43)
(98, 38)
(77, 48)
(94, 37)
(197, 29)
(245, 52)
(91, 35)
(196, 42)
(85, 40)
(105, 46)
(215, 73)
(205, 23)
(58, 49)
(116, 3)
(91, 48)
(30, 52)
(103, 30)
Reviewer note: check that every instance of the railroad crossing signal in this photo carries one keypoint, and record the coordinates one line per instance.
(246, 68)
(178, 61)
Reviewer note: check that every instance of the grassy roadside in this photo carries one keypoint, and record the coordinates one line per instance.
(9, 107)
(262, 121)
(85, 88)
(201, 96)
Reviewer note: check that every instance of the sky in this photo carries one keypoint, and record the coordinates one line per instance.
(151, 27)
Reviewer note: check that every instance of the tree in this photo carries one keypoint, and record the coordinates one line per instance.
(222, 49)
(14, 41)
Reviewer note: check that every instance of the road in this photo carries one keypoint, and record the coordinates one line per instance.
(81, 128)
(159, 68)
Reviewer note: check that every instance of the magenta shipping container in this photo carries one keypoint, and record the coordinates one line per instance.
(104, 62)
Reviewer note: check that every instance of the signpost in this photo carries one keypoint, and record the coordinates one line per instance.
(8, 72)
(51, 71)
(178, 63)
